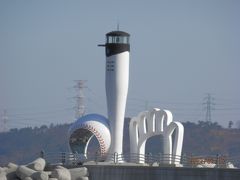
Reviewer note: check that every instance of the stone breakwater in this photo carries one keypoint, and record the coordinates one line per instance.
(36, 171)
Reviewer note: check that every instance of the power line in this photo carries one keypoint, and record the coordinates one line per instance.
(163, 102)
(57, 111)
(97, 100)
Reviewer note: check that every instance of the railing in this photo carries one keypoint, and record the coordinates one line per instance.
(217, 161)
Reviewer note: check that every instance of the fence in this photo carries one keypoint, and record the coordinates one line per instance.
(217, 161)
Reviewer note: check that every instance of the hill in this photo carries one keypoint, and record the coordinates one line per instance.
(23, 145)
(202, 138)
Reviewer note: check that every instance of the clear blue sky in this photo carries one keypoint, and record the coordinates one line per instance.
(180, 50)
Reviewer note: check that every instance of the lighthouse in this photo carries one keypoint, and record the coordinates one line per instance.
(117, 50)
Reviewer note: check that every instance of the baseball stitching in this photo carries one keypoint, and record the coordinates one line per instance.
(98, 136)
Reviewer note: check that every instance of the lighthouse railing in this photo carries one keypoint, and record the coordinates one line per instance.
(149, 159)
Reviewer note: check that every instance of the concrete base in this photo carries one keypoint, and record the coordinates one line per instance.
(107, 172)
(113, 164)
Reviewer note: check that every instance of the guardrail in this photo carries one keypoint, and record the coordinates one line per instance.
(217, 161)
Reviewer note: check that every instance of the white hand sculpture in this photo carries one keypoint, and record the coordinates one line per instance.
(153, 123)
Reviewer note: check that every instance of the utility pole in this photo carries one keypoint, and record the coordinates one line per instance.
(209, 106)
(80, 98)
(4, 121)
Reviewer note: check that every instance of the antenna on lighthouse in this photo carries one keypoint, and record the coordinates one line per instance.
(118, 26)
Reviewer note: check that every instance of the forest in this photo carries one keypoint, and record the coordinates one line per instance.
(203, 138)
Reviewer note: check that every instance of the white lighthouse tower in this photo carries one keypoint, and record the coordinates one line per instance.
(117, 76)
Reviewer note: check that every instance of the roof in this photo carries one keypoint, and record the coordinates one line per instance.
(117, 33)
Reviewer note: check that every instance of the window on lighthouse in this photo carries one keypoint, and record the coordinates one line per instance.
(117, 39)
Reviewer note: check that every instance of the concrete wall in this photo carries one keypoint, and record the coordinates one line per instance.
(160, 173)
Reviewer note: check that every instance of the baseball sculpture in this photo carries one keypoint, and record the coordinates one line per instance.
(82, 131)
